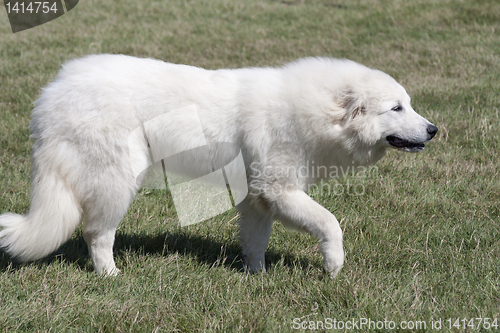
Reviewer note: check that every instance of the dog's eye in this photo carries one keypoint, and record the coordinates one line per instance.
(397, 108)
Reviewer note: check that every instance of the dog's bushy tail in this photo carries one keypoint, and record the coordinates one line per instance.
(53, 216)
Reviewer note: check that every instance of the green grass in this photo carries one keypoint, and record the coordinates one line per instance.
(422, 243)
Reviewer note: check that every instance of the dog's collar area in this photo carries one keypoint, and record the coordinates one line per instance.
(405, 145)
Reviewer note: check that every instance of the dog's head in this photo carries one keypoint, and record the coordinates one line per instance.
(378, 110)
(354, 110)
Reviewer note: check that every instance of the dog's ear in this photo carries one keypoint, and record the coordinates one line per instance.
(352, 103)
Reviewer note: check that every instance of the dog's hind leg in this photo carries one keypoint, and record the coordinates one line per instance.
(103, 212)
(255, 230)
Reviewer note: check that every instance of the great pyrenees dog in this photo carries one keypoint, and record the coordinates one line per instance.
(88, 153)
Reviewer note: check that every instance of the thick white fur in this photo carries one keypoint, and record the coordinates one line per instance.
(332, 112)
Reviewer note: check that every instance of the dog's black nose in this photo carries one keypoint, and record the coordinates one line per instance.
(432, 130)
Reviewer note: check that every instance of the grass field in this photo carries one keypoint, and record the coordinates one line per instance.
(422, 241)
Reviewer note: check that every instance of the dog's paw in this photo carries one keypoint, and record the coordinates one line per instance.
(333, 255)
(112, 271)
(254, 265)
(333, 273)
(254, 270)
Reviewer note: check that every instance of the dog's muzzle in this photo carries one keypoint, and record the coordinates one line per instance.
(431, 130)
(411, 146)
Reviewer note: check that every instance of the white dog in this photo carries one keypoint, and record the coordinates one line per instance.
(85, 159)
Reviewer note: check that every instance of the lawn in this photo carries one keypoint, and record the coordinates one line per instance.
(421, 238)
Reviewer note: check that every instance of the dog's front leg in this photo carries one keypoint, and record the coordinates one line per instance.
(255, 230)
(297, 210)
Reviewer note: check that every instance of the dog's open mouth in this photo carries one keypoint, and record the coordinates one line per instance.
(405, 145)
